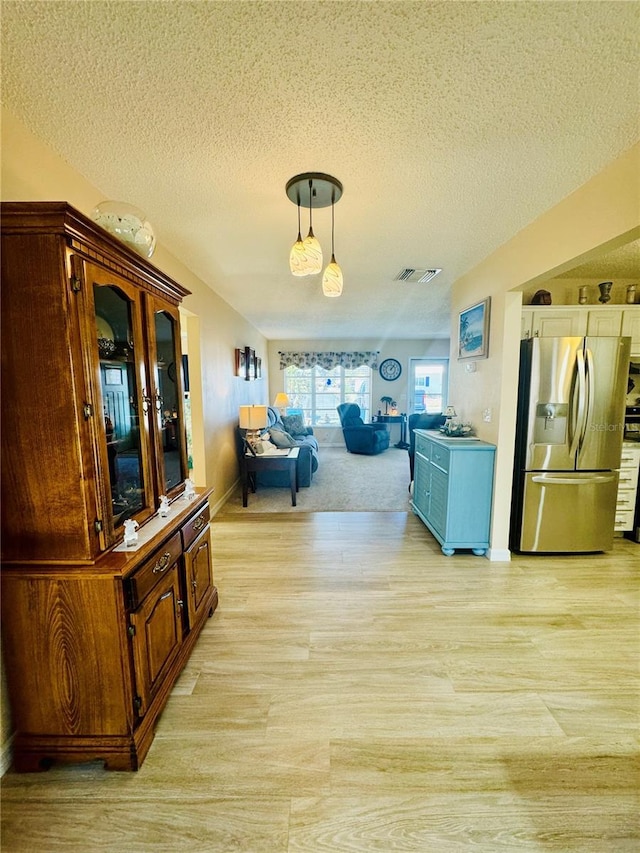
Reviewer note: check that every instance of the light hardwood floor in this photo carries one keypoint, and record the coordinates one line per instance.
(359, 691)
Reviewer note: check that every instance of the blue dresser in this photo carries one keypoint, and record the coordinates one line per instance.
(452, 489)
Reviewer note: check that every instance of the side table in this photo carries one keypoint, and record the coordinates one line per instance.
(395, 419)
(269, 462)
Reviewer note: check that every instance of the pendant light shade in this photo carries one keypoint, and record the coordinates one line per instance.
(297, 259)
(332, 279)
(313, 190)
(312, 253)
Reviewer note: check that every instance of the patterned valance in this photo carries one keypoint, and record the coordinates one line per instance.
(329, 360)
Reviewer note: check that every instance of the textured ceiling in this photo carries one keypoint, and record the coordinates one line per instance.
(452, 125)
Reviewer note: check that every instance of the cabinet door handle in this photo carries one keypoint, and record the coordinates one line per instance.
(198, 524)
(162, 563)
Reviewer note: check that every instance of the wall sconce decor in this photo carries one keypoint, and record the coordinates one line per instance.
(250, 357)
(247, 365)
(241, 364)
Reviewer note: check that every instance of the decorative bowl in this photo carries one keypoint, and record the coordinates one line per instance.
(457, 430)
(128, 224)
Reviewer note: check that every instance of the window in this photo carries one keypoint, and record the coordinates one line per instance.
(317, 392)
(428, 379)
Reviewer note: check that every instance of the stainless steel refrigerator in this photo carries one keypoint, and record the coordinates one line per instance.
(570, 425)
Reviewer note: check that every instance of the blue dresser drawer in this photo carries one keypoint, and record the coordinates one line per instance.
(440, 457)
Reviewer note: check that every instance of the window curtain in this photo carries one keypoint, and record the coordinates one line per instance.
(329, 360)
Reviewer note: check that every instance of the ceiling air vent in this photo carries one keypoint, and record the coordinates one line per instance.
(421, 276)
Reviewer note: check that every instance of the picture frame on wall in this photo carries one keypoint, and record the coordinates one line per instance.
(251, 363)
(241, 363)
(473, 331)
(258, 368)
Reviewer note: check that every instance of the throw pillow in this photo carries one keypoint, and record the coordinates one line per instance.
(294, 424)
(282, 439)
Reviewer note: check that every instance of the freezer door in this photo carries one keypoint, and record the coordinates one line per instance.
(607, 372)
(554, 414)
(567, 512)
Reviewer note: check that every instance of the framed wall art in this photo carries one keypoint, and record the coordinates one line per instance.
(250, 355)
(241, 364)
(473, 331)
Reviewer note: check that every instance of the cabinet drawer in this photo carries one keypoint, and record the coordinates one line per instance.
(147, 576)
(423, 446)
(195, 526)
(624, 520)
(440, 457)
(628, 478)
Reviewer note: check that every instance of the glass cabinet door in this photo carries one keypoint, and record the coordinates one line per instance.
(164, 332)
(124, 400)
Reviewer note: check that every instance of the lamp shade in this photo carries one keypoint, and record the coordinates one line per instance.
(252, 417)
(281, 401)
(332, 281)
(312, 263)
(450, 412)
(298, 258)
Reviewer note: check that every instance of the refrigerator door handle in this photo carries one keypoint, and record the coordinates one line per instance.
(549, 479)
(590, 393)
(581, 414)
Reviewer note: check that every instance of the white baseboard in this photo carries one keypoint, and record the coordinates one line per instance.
(498, 555)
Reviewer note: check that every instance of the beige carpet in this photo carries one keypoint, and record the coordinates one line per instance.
(344, 482)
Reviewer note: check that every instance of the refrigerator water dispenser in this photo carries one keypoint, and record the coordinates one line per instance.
(551, 423)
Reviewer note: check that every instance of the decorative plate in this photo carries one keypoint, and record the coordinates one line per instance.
(104, 329)
(390, 369)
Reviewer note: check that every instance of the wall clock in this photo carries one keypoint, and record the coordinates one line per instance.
(390, 369)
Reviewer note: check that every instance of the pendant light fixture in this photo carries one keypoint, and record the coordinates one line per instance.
(332, 278)
(312, 248)
(314, 190)
(297, 258)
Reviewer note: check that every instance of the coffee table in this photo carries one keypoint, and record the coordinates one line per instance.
(269, 462)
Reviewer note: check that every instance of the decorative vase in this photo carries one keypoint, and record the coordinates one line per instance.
(605, 291)
(582, 295)
(631, 294)
(128, 224)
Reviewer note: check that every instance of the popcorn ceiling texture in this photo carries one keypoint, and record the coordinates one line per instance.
(452, 125)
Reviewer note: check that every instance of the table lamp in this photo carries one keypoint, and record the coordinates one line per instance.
(281, 402)
(253, 419)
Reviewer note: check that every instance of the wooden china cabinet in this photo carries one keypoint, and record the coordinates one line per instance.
(94, 633)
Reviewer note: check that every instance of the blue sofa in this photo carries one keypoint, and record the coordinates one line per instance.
(288, 433)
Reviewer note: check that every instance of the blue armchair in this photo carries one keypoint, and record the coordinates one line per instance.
(358, 436)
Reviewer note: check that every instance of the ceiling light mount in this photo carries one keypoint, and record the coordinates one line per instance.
(314, 189)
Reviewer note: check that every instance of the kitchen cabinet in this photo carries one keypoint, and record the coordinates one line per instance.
(631, 327)
(627, 486)
(553, 322)
(453, 488)
(580, 320)
(94, 634)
